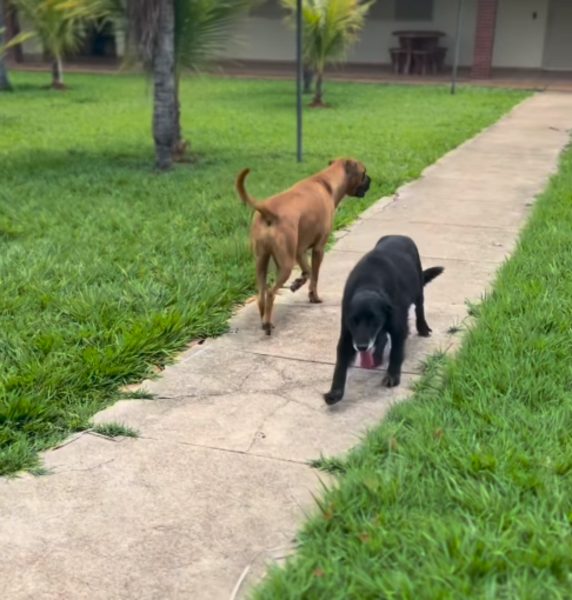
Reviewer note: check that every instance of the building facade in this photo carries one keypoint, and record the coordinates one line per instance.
(516, 34)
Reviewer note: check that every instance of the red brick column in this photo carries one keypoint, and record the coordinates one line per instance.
(484, 38)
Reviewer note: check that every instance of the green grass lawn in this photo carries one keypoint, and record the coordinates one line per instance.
(466, 490)
(108, 268)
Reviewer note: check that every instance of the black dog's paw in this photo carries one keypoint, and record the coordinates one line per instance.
(423, 329)
(390, 380)
(333, 396)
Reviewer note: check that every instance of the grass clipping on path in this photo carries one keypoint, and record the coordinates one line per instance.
(466, 490)
(108, 269)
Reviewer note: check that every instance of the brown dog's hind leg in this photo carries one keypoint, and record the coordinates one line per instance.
(261, 285)
(284, 271)
(305, 275)
(317, 257)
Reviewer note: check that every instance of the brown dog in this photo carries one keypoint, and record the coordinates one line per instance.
(288, 224)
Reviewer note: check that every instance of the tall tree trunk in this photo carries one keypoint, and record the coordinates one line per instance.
(12, 30)
(57, 73)
(165, 98)
(317, 101)
(179, 145)
(178, 132)
(4, 81)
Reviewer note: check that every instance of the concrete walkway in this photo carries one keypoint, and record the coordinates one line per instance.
(219, 478)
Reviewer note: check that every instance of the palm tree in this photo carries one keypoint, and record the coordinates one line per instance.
(330, 28)
(5, 85)
(61, 26)
(202, 29)
(184, 34)
(152, 22)
(13, 30)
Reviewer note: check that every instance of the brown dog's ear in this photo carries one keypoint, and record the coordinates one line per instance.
(351, 167)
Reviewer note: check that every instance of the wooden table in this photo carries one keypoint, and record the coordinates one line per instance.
(412, 41)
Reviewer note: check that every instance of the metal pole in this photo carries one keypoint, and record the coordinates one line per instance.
(457, 46)
(299, 80)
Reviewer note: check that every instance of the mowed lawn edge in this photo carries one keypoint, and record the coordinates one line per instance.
(465, 490)
(109, 269)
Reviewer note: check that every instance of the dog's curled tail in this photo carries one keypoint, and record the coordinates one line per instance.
(268, 215)
(431, 273)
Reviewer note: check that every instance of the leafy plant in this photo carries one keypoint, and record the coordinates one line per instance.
(61, 26)
(330, 27)
(114, 429)
(18, 39)
(201, 30)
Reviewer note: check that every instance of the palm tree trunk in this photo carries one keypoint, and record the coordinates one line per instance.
(5, 85)
(317, 101)
(12, 24)
(57, 73)
(165, 98)
(178, 145)
(308, 78)
(4, 81)
(178, 133)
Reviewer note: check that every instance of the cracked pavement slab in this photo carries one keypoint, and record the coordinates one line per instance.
(218, 481)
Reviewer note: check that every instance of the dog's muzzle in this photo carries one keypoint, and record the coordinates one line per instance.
(364, 187)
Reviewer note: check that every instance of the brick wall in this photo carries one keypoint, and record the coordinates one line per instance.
(484, 38)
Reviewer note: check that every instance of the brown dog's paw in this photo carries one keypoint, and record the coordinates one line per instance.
(267, 327)
(390, 380)
(314, 298)
(298, 283)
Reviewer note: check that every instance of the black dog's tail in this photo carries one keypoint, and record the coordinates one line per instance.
(430, 274)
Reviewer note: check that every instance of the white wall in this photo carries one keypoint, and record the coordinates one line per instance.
(558, 46)
(33, 46)
(377, 38)
(519, 38)
(258, 38)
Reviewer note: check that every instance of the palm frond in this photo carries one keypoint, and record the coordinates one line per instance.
(202, 28)
(15, 40)
(330, 27)
(143, 17)
(61, 24)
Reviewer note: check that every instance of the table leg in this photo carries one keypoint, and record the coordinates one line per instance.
(408, 58)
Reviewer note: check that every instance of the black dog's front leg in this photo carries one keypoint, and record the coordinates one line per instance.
(398, 336)
(346, 353)
(380, 343)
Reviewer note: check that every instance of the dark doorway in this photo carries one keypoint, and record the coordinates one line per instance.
(100, 41)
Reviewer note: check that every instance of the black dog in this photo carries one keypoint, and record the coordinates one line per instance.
(377, 296)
